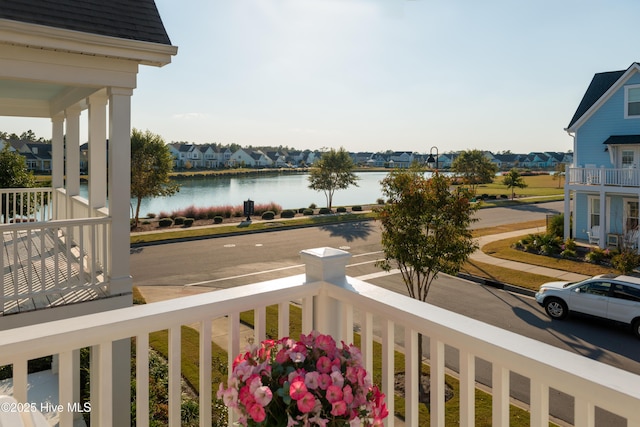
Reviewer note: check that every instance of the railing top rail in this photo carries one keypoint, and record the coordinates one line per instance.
(61, 335)
(54, 223)
(29, 189)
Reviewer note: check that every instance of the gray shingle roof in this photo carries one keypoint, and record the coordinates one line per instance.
(126, 19)
(600, 83)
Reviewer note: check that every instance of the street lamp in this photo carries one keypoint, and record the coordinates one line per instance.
(431, 159)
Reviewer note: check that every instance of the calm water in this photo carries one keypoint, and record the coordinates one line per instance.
(289, 191)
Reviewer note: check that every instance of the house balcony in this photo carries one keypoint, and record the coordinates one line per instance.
(55, 250)
(620, 180)
(330, 303)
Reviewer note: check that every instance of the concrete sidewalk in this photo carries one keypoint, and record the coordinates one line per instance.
(480, 256)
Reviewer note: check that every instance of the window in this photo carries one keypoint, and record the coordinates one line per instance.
(631, 215)
(594, 212)
(633, 101)
(628, 159)
(625, 292)
(596, 288)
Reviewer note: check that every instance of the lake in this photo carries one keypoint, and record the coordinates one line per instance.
(289, 191)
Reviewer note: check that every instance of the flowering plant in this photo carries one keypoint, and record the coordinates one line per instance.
(311, 382)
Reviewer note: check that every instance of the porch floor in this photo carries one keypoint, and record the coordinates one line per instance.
(40, 271)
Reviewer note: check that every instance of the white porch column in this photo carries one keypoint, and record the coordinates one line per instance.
(604, 220)
(119, 177)
(97, 151)
(326, 265)
(567, 212)
(119, 187)
(57, 163)
(57, 151)
(72, 150)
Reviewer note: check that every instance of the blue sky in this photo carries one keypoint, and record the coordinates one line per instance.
(373, 75)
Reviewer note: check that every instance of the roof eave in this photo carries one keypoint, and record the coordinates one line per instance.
(44, 37)
(635, 67)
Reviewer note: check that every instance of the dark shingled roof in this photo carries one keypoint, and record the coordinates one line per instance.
(125, 19)
(600, 83)
(623, 139)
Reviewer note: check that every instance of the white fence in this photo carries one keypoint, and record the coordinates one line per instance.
(605, 176)
(26, 204)
(43, 261)
(331, 303)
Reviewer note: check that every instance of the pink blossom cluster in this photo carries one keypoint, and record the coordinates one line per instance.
(311, 382)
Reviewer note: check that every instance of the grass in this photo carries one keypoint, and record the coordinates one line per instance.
(196, 232)
(537, 186)
(190, 362)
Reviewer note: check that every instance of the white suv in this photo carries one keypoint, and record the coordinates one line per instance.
(610, 297)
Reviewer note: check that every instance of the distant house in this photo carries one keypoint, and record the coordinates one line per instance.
(400, 159)
(241, 158)
(603, 180)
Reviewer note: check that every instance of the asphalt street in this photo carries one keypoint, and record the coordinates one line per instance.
(237, 260)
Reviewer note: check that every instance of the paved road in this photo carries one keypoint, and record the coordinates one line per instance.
(233, 261)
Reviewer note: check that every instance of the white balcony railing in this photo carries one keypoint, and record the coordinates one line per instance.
(26, 204)
(51, 263)
(604, 176)
(330, 302)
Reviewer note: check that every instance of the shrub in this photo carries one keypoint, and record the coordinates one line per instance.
(301, 210)
(380, 201)
(259, 209)
(313, 206)
(625, 262)
(179, 220)
(595, 256)
(356, 208)
(268, 215)
(504, 196)
(165, 222)
(218, 219)
(146, 222)
(188, 222)
(151, 215)
(307, 212)
(570, 244)
(569, 253)
(555, 226)
(341, 209)
(324, 211)
(288, 213)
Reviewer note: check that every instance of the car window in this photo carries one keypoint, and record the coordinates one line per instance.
(596, 288)
(625, 292)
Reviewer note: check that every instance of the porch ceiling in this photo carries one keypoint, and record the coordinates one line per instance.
(36, 99)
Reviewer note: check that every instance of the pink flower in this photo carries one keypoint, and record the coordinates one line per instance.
(263, 395)
(311, 380)
(324, 381)
(338, 408)
(326, 343)
(306, 403)
(297, 389)
(257, 413)
(334, 393)
(323, 365)
(337, 378)
(347, 393)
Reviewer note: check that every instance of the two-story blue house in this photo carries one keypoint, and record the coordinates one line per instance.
(604, 178)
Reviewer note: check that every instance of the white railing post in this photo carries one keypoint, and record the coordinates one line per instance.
(326, 265)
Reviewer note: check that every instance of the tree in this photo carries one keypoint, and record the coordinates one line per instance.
(512, 180)
(151, 163)
(425, 229)
(14, 174)
(334, 171)
(559, 173)
(474, 168)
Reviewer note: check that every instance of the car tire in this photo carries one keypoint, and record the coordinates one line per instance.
(556, 308)
(635, 325)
